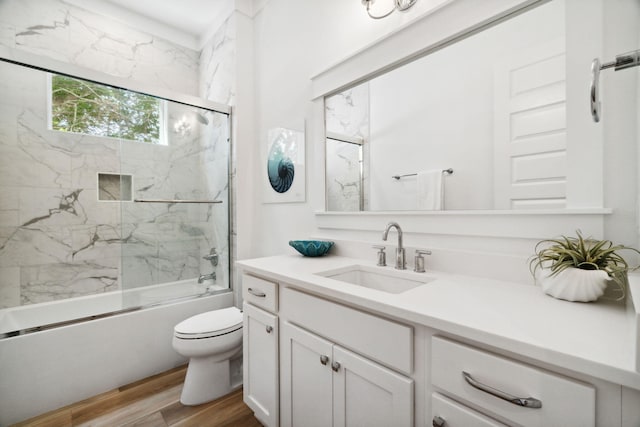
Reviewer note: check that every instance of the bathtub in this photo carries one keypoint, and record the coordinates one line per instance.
(47, 360)
(31, 318)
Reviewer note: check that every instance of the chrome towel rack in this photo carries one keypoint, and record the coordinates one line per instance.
(397, 177)
(174, 201)
(623, 61)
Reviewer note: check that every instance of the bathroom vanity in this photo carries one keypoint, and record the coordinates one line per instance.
(339, 341)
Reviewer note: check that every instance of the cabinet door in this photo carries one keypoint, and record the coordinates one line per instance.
(367, 394)
(260, 367)
(305, 369)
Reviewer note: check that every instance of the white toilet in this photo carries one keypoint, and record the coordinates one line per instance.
(209, 340)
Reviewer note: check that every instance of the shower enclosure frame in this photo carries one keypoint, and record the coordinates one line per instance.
(40, 63)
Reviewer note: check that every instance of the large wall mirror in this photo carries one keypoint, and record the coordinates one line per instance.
(478, 125)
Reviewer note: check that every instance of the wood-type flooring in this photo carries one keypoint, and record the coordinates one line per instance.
(151, 402)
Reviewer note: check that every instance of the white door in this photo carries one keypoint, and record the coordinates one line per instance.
(306, 379)
(366, 394)
(260, 367)
(530, 163)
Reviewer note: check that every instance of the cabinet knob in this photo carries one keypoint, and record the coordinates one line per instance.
(269, 329)
(438, 422)
(324, 359)
(335, 366)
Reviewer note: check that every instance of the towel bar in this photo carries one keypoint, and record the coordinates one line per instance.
(175, 201)
(623, 61)
(397, 177)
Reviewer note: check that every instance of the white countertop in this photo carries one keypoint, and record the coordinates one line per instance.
(598, 339)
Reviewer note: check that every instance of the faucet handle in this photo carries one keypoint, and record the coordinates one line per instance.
(212, 256)
(382, 256)
(419, 260)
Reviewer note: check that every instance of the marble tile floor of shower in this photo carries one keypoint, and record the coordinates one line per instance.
(151, 402)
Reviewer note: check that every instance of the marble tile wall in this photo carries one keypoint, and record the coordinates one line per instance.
(343, 173)
(218, 84)
(58, 241)
(347, 114)
(71, 34)
(55, 240)
(217, 65)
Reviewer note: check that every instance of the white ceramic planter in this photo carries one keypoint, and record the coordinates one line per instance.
(574, 284)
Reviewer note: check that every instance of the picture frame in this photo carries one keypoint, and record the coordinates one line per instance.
(284, 166)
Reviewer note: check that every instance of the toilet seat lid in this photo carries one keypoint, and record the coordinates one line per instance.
(218, 321)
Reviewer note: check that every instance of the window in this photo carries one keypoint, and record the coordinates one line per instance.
(81, 106)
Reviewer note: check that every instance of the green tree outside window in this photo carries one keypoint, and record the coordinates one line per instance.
(84, 107)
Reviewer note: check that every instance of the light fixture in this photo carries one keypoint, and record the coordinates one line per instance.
(401, 5)
(182, 127)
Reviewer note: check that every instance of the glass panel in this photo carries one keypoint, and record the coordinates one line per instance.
(72, 240)
(176, 231)
(344, 176)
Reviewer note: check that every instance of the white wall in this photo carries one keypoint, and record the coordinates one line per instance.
(292, 42)
(620, 108)
(285, 33)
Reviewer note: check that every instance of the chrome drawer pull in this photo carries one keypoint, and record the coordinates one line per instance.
(528, 402)
(324, 359)
(335, 366)
(256, 293)
(269, 329)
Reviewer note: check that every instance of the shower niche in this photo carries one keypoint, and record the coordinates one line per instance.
(115, 187)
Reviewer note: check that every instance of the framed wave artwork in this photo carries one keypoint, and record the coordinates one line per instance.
(285, 166)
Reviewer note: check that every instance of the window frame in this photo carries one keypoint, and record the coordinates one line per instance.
(163, 115)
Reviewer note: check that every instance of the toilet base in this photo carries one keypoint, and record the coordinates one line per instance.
(206, 380)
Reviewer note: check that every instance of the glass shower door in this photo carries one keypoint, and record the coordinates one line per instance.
(175, 227)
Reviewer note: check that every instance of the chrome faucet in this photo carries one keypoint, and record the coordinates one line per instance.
(203, 277)
(400, 259)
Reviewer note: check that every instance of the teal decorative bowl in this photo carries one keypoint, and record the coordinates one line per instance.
(311, 247)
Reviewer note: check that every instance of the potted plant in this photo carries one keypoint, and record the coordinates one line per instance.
(578, 268)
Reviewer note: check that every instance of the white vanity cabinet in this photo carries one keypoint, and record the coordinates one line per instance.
(260, 341)
(325, 384)
(320, 356)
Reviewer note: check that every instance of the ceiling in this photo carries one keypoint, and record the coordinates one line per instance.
(186, 22)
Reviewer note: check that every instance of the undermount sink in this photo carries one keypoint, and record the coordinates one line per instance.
(384, 279)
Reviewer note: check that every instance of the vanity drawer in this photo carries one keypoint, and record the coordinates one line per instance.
(564, 402)
(382, 340)
(260, 292)
(447, 413)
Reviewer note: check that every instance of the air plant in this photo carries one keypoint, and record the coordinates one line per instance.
(584, 253)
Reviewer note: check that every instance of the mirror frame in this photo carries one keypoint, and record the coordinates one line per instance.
(436, 29)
